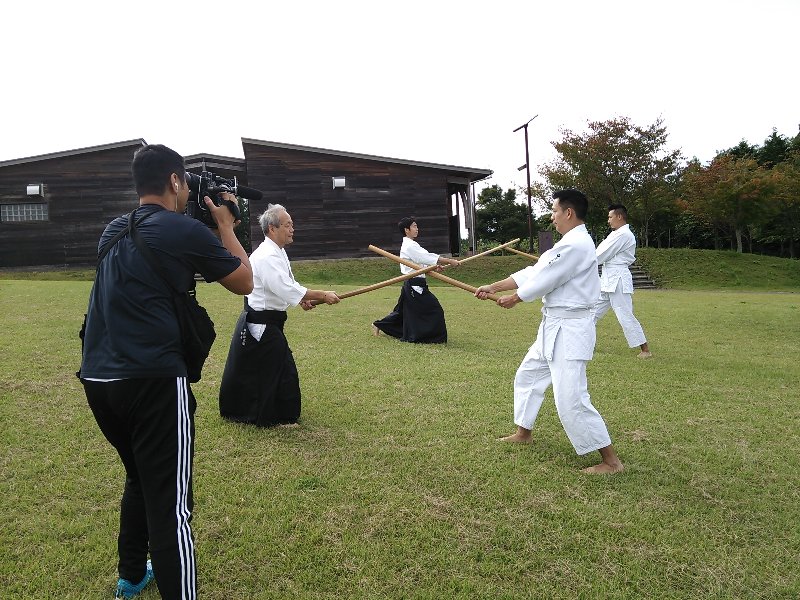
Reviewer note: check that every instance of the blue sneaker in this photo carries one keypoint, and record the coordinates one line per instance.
(126, 589)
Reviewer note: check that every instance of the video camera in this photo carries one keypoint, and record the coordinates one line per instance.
(208, 184)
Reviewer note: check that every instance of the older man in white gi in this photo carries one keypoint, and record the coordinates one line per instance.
(616, 253)
(565, 278)
(260, 384)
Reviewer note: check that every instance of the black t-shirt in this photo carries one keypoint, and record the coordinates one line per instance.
(131, 326)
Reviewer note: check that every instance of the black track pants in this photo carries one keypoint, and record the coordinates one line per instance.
(150, 422)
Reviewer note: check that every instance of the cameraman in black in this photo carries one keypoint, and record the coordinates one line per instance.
(134, 374)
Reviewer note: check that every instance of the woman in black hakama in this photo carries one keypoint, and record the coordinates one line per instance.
(417, 317)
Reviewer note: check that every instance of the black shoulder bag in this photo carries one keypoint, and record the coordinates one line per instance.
(197, 328)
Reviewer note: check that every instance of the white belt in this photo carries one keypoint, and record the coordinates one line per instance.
(567, 313)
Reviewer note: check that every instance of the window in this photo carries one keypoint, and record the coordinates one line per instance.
(15, 213)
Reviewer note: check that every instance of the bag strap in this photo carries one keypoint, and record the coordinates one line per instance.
(148, 254)
(110, 245)
(113, 241)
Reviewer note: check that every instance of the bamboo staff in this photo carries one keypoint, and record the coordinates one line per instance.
(379, 285)
(433, 274)
(420, 271)
(521, 253)
(495, 249)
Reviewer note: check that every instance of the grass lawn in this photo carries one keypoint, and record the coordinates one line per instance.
(686, 268)
(394, 485)
(673, 268)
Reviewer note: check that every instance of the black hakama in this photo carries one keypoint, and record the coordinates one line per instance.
(260, 384)
(417, 318)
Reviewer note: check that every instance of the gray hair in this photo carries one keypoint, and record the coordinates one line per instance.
(271, 216)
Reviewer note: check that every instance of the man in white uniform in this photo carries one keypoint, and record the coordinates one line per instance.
(260, 384)
(417, 317)
(616, 253)
(565, 278)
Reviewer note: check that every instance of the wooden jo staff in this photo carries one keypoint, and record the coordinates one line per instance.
(434, 274)
(521, 253)
(418, 272)
(377, 286)
(495, 249)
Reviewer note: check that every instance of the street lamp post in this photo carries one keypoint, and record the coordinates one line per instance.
(528, 172)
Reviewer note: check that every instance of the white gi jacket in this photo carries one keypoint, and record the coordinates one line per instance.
(616, 253)
(274, 286)
(411, 250)
(565, 278)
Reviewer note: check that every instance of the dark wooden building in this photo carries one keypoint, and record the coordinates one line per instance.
(54, 207)
(341, 202)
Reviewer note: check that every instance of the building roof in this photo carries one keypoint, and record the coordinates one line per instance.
(214, 161)
(474, 174)
(234, 163)
(52, 155)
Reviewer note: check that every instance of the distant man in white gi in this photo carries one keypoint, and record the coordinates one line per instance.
(616, 253)
(565, 278)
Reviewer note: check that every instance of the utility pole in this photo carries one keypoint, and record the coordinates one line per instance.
(528, 172)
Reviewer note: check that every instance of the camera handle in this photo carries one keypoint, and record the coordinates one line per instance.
(232, 206)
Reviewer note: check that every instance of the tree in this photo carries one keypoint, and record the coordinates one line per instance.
(786, 195)
(741, 150)
(776, 149)
(615, 162)
(776, 158)
(242, 230)
(728, 191)
(499, 217)
(691, 232)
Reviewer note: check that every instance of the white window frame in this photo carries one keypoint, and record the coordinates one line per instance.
(25, 212)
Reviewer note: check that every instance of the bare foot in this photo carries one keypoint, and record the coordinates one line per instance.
(644, 354)
(604, 469)
(375, 331)
(517, 438)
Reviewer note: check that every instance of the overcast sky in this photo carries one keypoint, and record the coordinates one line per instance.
(437, 81)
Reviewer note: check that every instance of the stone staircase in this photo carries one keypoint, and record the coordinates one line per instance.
(641, 280)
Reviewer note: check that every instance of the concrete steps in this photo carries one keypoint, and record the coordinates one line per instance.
(641, 280)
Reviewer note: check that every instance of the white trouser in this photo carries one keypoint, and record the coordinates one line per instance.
(622, 304)
(584, 426)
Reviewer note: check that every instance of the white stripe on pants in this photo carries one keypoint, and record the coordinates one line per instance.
(622, 304)
(584, 426)
(183, 480)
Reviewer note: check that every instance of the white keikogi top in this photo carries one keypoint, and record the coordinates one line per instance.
(565, 278)
(274, 285)
(411, 250)
(616, 253)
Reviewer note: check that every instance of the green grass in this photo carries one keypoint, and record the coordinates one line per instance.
(677, 268)
(684, 268)
(394, 485)
(359, 272)
(353, 272)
